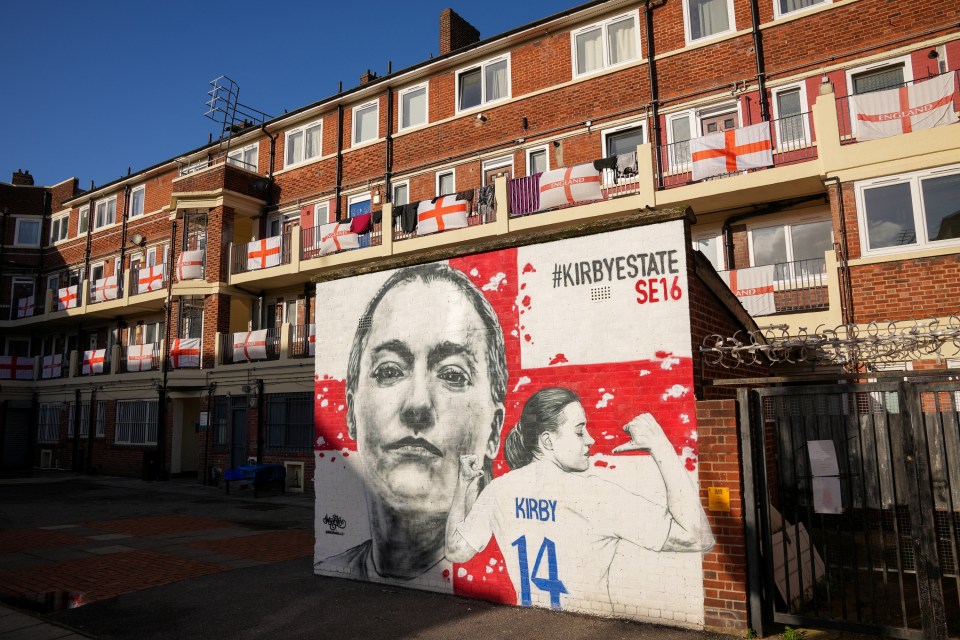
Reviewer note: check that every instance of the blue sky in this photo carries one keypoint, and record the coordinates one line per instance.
(93, 87)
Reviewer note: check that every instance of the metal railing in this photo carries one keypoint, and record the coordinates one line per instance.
(481, 209)
(103, 372)
(93, 290)
(300, 340)
(133, 281)
(845, 117)
(800, 285)
(272, 347)
(156, 359)
(240, 255)
(523, 195)
(792, 139)
(311, 239)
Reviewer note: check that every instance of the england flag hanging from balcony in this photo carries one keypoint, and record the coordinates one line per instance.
(337, 236)
(446, 212)
(923, 105)
(190, 265)
(569, 185)
(312, 340)
(67, 298)
(250, 345)
(150, 278)
(16, 368)
(105, 289)
(731, 151)
(25, 307)
(51, 366)
(754, 288)
(263, 253)
(140, 357)
(185, 353)
(93, 361)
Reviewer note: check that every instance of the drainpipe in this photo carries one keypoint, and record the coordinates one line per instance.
(339, 158)
(3, 232)
(846, 286)
(654, 88)
(388, 172)
(273, 157)
(91, 218)
(123, 233)
(164, 368)
(758, 56)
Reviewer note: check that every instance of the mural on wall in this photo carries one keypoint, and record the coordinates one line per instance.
(516, 425)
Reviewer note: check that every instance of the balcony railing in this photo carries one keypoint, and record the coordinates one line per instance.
(798, 286)
(96, 365)
(845, 112)
(271, 348)
(481, 209)
(311, 240)
(301, 337)
(260, 254)
(146, 279)
(792, 138)
(136, 363)
(105, 289)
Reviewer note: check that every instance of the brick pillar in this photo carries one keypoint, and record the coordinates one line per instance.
(216, 317)
(219, 236)
(455, 32)
(724, 568)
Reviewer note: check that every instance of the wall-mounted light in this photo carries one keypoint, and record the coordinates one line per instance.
(137, 240)
(376, 196)
(481, 117)
(933, 55)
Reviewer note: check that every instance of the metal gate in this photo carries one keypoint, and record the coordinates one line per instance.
(238, 431)
(15, 448)
(857, 495)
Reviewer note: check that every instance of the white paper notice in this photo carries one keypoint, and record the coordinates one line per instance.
(826, 495)
(823, 458)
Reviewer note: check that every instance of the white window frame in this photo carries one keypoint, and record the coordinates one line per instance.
(240, 163)
(914, 179)
(48, 430)
(83, 220)
(903, 61)
(13, 287)
(804, 112)
(126, 425)
(357, 198)
(106, 204)
(321, 214)
(55, 280)
(732, 18)
(401, 112)
(143, 200)
(303, 159)
(717, 234)
(494, 163)
(16, 233)
(439, 174)
(61, 223)
(807, 217)
(546, 152)
(777, 13)
(354, 142)
(483, 85)
(604, 39)
(393, 187)
(691, 117)
(608, 174)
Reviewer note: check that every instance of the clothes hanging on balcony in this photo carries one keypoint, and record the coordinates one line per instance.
(376, 216)
(605, 163)
(524, 194)
(360, 224)
(626, 165)
(486, 198)
(407, 214)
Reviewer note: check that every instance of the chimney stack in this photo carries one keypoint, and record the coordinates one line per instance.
(455, 32)
(22, 178)
(367, 77)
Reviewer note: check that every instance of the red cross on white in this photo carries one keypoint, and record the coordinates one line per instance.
(25, 307)
(312, 339)
(263, 253)
(754, 287)
(150, 278)
(337, 236)
(190, 265)
(105, 289)
(446, 213)
(569, 185)
(93, 361)
(185, 353)
(140, 357)
(923, 105)
(51, 366)
(67, 298)
(731, 151)
(16, 368)
(250, 345)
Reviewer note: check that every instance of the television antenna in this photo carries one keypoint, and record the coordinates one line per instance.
(224, 108)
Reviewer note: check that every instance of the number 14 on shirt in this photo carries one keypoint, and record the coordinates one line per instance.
(551, 584)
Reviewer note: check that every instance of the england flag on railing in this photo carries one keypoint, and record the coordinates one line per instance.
(337, 236)
(754, 288)
(105, 289)
(190, 265)
(16, 368)
(569, 185)
(51, 366)
(25, 307)
(250, 345)
(67, 298)
(312, 340)
(731, 151)
(263, 253)
(150, 278)
(446, 213)
(93, 361)
(140, 357)
(185, 353)
(923, 105)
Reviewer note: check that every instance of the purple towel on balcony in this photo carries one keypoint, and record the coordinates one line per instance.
(524, 195)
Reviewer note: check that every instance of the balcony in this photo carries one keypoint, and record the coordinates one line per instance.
(312, 239)
(146, 280)
(250, 346)
(95, 362)
(796, 287)
(302, 340)
(139, 358)
(260, 254)
(215, 173)
(481, 209)
(105, 289)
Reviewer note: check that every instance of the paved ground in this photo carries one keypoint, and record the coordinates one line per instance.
(177, 560)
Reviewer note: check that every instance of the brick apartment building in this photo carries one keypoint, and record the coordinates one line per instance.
(126, 300)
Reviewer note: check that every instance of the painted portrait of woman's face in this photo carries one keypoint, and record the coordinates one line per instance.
(571, 441)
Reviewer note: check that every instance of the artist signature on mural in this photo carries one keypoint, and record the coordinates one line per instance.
(333, 523)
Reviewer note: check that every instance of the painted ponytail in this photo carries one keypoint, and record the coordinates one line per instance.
(541, 413)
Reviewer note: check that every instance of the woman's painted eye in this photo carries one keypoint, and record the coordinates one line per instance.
(454, 377)
(387, 373)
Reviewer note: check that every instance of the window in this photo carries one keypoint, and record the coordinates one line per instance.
(106, 211)
(413, 106)
(48, 421)
(401, 193)
(679, 131)
(289, 421)
(321, 213)
(303, 143)
(619, 142)
(246, 158)
(20, 288)
(446, 182)
(59, 227)
(788, 110)
(783, 7)
(27, 233)
(191, 317)
(366, 122)
(537, 160)
(802, 244)
(101, 412)
(359, 204)
(496, 168)
(711, 245)
(152, 332)
(96, 272)
(136, 422)
(84, 221)
(605, 44)
(19, 347)
(486, 82)
(912, 211)
(878, 79)
(707, 18)
(136, 201)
